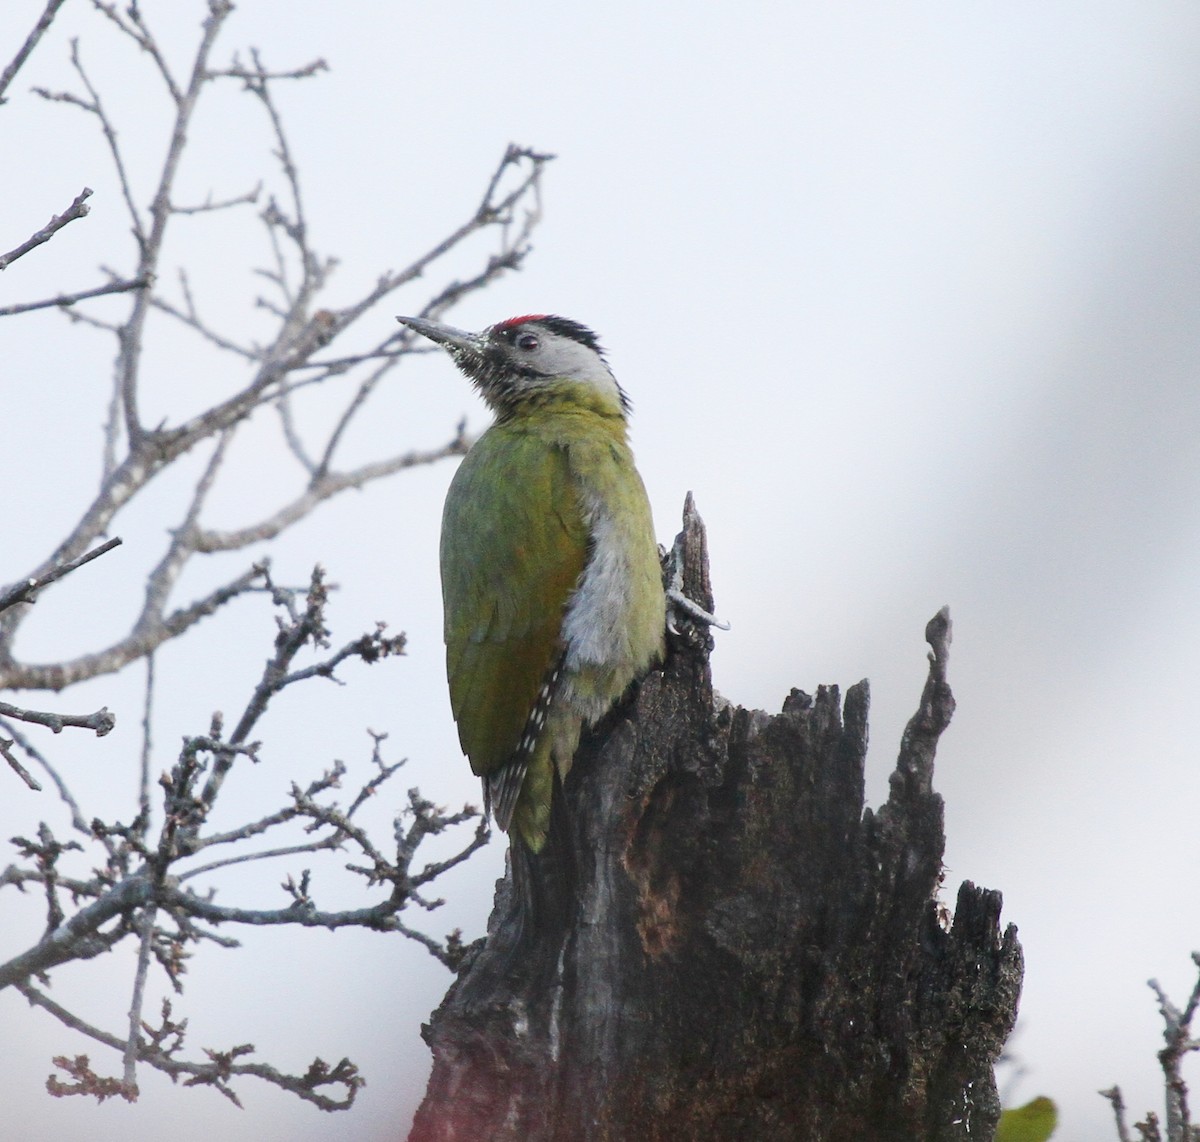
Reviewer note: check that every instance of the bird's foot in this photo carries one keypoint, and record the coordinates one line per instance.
(678, 602)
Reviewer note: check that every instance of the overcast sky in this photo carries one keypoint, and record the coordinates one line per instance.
(907, 294)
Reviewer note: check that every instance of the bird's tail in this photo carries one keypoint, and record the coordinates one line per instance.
(502, 788)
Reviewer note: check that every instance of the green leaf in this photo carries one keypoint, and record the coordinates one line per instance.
(1033, 1122)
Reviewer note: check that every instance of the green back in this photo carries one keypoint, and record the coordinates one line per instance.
(508, 568)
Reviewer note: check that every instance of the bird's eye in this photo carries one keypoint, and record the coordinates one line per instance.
(528, 342)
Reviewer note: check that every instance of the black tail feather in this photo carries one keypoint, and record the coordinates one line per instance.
(502, 788)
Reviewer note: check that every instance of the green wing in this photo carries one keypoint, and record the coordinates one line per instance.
(514, 543)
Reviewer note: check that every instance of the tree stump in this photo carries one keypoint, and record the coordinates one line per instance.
(748, 954)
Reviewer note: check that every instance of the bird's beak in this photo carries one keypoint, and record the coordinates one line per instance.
(444, 334)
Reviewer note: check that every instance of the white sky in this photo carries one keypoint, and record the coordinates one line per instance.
(906, 294)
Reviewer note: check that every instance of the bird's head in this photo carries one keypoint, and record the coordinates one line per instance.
(526, 361)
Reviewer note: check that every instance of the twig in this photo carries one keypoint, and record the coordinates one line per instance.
(31, 41)
(191, 319)
(208, 206)
(141, 35)
(331, 842)
(68, 299)
(129, 356)
(222, 1065)
(27, 592)
(6, 745)
(96, 107)
(260, 73)
(139, 643)
(144, 768)
(78, 209)
(1179, 1043)
(322, 488)
(152, 902)
(161, 580)
(257, 83)
(133, 1042)
(64, 792)
(1113, 1094)
(102, 721)
(151, 885)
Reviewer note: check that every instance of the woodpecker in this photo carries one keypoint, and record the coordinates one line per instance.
(551, 584)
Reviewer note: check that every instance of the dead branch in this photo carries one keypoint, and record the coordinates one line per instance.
(100, 722)
(148, 882)
(92, 105)
(78, 209)
(273, 384)
(159, 1049)
(6, 745)
(66, 300)
(145, 887)
(1114, 1096)
(31, 42)
(26, 592)
(39, 759)
(1179, 1043)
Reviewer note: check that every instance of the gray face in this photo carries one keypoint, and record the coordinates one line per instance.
(546, 348)
(516, 358)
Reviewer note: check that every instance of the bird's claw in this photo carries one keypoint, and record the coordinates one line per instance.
(678, 601)
(694, 611)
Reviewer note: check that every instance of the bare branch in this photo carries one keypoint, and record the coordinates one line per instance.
(160, 213)
(133, 1042)
(328, 780)
(144, 774)
(31, 41)
(162, 579)
(137, 31)
(385, 771)
(77, 820)
(27, 592)
(208, 205)
(323, 488)
(79, 937)
(259, 74)
(58, 675)
(190, 318)
(78, 209)
(257, 83)
(1113, 1094)
(379, 917)
(293, 348)
(6, 745)
(1177, 1034)
(93, 106)
(305, 629)
(490, 212)
(332, 841)
(143, 892)
(115, 882)
(102, 721)
(217, 1072)
(64, 300)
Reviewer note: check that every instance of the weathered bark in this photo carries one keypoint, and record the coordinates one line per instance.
(749, 953)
